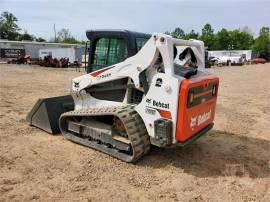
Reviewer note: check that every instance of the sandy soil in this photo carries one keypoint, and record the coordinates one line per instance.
(230, 163)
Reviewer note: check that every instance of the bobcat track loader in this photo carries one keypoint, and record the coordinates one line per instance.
(140, 90)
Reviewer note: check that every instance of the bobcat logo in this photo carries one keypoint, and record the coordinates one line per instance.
(76, 84)
(148, 100)
(200, 119)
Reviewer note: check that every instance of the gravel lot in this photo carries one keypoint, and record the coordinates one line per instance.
(230, 163)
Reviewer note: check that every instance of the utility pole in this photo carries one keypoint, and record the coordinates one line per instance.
(54, 32)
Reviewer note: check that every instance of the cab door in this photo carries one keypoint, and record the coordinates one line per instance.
(108, 51)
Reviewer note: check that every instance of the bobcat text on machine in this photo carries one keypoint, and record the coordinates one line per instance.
(139, 90)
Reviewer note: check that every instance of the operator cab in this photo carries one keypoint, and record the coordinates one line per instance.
(109, 47)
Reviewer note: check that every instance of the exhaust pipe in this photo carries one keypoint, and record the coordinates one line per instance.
(46, 112)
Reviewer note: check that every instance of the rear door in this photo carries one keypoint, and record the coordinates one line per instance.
(196, 106)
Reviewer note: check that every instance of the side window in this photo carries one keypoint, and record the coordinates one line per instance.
(117, 51)
(140, 43)
(101, 53)
(109, 51)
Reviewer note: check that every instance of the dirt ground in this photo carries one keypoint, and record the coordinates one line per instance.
(230, 163)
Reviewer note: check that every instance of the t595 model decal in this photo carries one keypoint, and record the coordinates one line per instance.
(163, 113)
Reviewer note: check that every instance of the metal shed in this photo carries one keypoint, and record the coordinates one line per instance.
(8, 48)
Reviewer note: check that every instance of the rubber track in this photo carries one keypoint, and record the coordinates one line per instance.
(133, 123)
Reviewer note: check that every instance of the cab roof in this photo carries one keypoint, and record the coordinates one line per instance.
(97, 33)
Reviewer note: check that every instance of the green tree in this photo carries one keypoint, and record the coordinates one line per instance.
(70, 40)
(26, 36)
(223, 40)
(262, 43)
(40, 39)
(192, 35)
(208, 36)
(178, 33)
(240, 40)
(64, 36)
(8, 27)
(247, 39)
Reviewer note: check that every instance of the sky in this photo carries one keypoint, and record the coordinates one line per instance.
(39, 16)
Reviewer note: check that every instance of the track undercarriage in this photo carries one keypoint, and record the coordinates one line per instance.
(117, 131)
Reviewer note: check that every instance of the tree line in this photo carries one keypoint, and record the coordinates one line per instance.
(237, 39)
(11, 31)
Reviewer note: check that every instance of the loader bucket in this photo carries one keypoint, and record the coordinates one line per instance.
(46, 112)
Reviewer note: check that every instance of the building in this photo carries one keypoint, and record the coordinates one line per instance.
(248, 54)
(11, 49)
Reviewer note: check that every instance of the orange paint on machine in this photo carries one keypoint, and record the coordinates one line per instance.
(196, 106)
(165, 114)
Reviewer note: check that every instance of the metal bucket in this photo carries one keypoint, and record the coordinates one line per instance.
(46, 112)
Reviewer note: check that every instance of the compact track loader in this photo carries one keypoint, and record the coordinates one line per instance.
(139, 90)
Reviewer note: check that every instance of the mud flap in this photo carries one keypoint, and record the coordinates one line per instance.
(46, 112)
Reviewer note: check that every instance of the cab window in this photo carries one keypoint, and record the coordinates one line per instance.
(140, 42)
(109, 51)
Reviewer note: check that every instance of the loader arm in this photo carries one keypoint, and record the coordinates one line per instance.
(145, 58)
